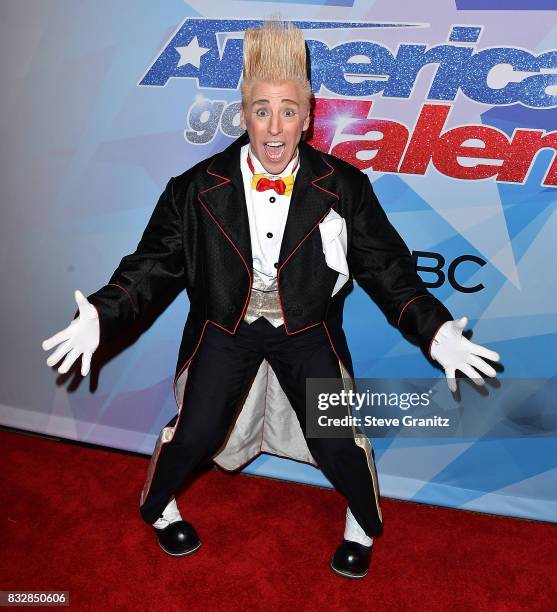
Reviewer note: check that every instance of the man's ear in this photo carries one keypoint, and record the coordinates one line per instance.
(307, 121)
(242, 118)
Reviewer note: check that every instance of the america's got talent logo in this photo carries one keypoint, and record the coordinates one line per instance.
(210, 51)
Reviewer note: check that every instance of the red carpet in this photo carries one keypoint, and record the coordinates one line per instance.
(70, 522)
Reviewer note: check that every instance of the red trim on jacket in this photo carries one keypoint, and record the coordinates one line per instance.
(127, 293)
(180, 407)
(432, 339)
(248, 268)
(300, 244)
(406, 305)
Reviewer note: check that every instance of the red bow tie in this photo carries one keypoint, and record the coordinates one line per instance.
(281, 186)
(264, 183)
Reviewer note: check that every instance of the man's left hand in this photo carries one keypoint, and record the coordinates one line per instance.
(455, 352)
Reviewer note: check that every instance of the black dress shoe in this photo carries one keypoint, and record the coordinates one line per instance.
(351, 559)
(178, 539)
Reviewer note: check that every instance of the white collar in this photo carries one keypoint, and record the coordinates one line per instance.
(259, 169)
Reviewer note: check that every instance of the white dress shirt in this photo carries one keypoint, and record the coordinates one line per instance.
(267, 212)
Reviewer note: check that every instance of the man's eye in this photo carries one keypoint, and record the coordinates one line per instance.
(261, 112)
(289, 113)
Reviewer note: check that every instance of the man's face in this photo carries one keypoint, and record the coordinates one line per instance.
(275, 114)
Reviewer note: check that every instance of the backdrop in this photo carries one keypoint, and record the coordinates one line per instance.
(450, 108)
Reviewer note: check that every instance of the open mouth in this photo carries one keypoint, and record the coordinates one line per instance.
(274, 150)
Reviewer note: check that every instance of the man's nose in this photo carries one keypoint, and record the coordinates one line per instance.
(275, 125)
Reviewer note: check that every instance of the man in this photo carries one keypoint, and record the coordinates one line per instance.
(264, 237)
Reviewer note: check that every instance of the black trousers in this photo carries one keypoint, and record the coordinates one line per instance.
(220, 376)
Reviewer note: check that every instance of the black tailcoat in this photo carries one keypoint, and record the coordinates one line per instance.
(198, 238)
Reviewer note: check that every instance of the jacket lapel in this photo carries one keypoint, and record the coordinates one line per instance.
(312, 197)
(223, 197)
(225, 200)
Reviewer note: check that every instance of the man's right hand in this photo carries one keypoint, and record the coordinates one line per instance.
(80, 338)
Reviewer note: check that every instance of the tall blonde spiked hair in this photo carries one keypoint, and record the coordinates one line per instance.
(275, 52)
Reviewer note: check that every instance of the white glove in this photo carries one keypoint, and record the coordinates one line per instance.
(455, 352)
(81, 337)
